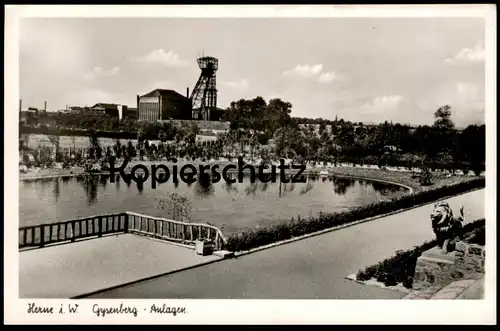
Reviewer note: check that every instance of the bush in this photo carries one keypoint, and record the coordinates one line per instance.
(286, 230)
(401, 267)
(478, 237)
(426, 177)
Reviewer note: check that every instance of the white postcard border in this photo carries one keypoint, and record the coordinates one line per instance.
(246, 311)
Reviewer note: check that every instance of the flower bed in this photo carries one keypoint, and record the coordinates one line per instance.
(401, 267)
(301, 226)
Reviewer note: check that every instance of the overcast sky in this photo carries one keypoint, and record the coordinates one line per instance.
(360, 69)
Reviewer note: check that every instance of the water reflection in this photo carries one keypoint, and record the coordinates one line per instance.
(385, 188)
(66, 180)
(229, 187)
(316, 193)
(308, 188)
(204, 187)
(56, 192)
(140, 186)
(43, 183)
(117, 183)
(89, 185)
(251, 189)
(103, 180)
(341, 185)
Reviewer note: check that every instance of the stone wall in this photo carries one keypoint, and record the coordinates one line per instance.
(470, 258)
(437, 269)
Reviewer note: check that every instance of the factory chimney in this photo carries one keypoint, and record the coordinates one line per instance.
(45, 107)
(20, 105)
(187, 93)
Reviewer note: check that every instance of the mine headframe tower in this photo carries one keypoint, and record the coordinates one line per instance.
(204, 96)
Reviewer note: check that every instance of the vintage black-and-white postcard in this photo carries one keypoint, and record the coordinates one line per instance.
(338, 158)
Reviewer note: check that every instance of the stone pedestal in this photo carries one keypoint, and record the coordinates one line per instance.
(203, 247)
(435, 268)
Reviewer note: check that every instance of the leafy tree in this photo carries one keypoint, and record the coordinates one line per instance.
(162, 136)
(443, 118)
(177, 206)
(55, 141)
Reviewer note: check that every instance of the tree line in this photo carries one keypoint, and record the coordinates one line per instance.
(267, 130)
(440, 143)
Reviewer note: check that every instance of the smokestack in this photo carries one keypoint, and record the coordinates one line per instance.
(187, 93)
(137, 106)
(120, 112)
(20, 105)
(45, 106)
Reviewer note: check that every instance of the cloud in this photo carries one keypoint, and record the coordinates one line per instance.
(468, 55)
(467, 89)
(467, 101)
(328, 77)
(469, 96)
(236, 85)
(98, 72)
(160, 57)
(160, 84)
(304, 71)
(381, 105)
(314, 71)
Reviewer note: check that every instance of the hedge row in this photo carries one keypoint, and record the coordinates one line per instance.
(301, 226)
(401, 267)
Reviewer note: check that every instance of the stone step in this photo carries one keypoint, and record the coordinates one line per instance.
(473, 292)
(453, 290)
(436, 253)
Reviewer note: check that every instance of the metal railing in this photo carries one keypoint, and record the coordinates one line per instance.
(128, 222)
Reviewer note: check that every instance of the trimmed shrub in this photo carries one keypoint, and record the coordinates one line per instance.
(400, 268)
(285, 230)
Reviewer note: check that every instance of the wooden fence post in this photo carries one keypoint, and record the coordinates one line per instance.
(42, 236)
(25, 235)
(217, 244)
(73, 227)
(99, 226)
(126, 223)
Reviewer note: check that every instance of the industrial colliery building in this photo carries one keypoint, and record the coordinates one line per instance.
(162, 104)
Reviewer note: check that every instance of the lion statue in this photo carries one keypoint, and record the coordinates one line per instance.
(445, 226)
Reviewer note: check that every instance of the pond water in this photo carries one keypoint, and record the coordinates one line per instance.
(234, 207)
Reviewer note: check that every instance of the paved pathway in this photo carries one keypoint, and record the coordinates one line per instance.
(474, 292)
(64, 271)
(312, 268)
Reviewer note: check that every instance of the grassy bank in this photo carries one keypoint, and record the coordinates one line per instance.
(405, 178)
(400, 268)
(297, 227)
